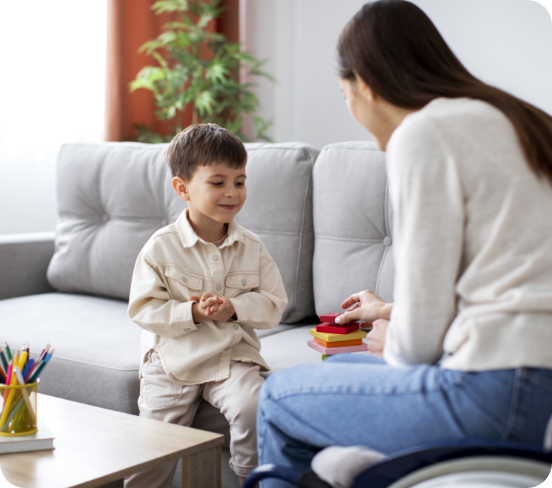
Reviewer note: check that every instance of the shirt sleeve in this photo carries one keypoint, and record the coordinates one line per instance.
(262, 307)
(150, 305)
(428, 203)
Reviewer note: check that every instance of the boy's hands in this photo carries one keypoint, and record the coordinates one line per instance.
(212, 307)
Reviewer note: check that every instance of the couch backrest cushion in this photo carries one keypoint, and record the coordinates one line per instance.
(352, 225)
(113, 196)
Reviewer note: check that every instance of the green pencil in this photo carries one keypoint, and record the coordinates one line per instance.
(8, 352)
(3, 358)
(38, 370)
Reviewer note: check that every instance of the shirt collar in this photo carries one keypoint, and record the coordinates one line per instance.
(189, 238)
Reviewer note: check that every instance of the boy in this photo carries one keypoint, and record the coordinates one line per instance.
(199, 289)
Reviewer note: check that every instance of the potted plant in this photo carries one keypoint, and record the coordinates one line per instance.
(199, 69)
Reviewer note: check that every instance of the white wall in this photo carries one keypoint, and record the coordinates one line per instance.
(52, 58)
(507, 43)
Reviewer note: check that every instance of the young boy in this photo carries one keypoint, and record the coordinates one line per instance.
(200, 288)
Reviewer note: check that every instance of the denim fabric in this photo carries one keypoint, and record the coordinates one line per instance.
(358, 400)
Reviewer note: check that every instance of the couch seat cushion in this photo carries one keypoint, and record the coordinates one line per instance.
(97, 347)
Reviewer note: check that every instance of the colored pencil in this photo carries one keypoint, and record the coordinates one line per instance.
(28, 366)
(8, 352)
(3, 359)
(23, 390)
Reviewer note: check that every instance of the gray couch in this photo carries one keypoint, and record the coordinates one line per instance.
(323, 215)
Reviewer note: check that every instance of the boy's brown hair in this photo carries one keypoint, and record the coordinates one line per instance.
(204, 145)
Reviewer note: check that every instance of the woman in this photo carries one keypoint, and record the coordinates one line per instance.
(467, 345)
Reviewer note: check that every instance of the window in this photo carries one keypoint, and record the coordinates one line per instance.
(52, 90)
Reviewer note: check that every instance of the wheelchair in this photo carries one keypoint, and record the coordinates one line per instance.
(456, 464)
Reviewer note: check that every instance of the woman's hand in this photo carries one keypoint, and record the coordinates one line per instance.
(369, 307)
(376, 337)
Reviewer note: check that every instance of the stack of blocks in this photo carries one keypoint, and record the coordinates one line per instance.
(331, 338)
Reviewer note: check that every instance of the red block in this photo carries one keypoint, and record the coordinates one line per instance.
(329, 317)
(337, 329)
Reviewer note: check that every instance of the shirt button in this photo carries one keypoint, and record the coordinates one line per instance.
(187, 330)
(226, 348)
(184, 279)
(387, 241)
(244, 282)
(236, 327)
(218, 287)
(215, 257)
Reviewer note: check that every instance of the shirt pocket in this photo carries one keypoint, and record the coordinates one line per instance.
(241, 282)
(182, 284)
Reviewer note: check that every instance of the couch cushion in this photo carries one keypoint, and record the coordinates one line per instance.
(97, 347)
(279, 210)
(113, 196)
(288, 348)
(352, 225)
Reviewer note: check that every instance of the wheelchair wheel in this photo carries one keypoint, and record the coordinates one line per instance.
(478, 472)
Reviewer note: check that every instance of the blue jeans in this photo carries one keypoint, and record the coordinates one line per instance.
(351, 400)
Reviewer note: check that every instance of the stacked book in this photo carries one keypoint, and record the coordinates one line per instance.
(331, 338)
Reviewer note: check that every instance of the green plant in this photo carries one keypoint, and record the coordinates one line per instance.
(200, 69)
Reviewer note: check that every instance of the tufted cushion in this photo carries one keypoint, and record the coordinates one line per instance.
(113, 196)
(352, 225)
(279, 210)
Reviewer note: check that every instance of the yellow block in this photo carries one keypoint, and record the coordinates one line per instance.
(326, 336)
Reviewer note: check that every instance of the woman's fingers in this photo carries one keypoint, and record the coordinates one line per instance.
(205, 296)
(376, 338)
(351, 300)
(345, 318)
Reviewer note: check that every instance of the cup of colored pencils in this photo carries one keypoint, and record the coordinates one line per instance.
(19, 376)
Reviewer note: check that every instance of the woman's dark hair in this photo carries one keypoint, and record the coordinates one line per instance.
(395, 48)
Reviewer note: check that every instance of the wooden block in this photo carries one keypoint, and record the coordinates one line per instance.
(328, 351)
(337, 329)
(329, 317)
(324, 357)
(354, 342)
(328, 337)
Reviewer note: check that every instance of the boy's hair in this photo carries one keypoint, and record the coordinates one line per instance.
(203, 145)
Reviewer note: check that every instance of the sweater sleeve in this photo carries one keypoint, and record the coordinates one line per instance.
(428, 203)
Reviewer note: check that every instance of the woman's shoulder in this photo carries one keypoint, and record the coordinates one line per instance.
(454, 112)
(454, 122)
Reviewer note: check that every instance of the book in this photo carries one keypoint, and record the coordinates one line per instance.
(41, 441)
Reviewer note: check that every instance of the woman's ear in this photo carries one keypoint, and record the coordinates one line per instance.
(181, 188)
(364, 89)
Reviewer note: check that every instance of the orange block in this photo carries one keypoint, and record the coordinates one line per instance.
(354, 342)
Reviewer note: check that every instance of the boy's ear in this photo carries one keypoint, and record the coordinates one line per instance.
(181, 188)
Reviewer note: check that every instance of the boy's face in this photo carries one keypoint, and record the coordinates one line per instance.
(215, 193)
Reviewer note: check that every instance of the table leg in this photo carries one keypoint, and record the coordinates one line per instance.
(202, 470)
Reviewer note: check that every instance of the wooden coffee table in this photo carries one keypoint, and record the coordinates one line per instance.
(95, 446)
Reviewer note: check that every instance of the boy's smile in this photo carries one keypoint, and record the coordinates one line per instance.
(215, 194)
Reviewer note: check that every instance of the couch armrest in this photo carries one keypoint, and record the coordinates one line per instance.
(24, 260)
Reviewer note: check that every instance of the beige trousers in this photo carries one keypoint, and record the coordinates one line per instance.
(236, 398)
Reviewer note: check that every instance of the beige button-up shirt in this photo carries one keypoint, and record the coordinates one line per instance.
(176, 264)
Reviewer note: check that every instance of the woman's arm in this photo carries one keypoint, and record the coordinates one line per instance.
(429, 209)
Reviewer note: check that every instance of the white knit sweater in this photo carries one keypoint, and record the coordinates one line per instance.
(472, 242)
